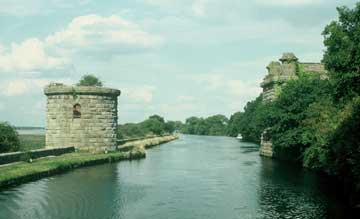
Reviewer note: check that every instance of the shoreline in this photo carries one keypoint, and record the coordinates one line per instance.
(23, 172)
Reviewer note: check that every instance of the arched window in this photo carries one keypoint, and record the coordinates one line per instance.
(77, 111)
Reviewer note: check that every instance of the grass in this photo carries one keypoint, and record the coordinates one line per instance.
(23, 172)
(31, 142)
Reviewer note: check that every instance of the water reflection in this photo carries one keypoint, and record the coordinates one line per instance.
(194, 177)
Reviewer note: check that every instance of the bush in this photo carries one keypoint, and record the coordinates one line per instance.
(90, 80)
(9, 139)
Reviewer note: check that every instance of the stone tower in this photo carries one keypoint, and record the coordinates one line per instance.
(279, 73)
(81, 116)
(287, 69)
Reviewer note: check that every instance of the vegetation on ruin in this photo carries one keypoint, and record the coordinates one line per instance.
(314, 121)
(90, 80)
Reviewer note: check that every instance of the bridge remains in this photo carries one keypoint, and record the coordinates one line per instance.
(279, 73)
(81, 116)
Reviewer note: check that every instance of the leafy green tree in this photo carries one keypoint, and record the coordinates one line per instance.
(90, 80)
(287, 130)
(342, 54)
(9, 139)
(154, 124)
(345, 142)
(157, 117)
(130, 130)
(217, 124)
(234, 125)
(170, 126)
(321, 120)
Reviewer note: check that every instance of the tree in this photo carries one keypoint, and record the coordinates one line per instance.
(342, 54)
(9, 139)
(287, 130)
(90, 80)
(157, 117)
(170, 126)
(234, 125)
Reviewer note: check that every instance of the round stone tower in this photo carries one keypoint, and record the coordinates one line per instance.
(81, 116)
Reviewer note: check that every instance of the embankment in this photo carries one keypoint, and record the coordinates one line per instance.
(21, 172)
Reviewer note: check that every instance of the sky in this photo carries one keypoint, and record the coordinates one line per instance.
(175, 58)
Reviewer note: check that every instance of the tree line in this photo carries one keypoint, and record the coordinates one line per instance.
(316, 122)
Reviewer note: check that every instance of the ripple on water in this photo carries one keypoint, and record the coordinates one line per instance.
(194, 177)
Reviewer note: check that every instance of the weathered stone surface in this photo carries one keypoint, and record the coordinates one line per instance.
(94, 127)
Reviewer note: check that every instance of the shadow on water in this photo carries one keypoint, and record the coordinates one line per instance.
(288, 191)
(193, 177)
(248, 147)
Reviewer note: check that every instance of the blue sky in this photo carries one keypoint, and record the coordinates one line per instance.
(176, 58)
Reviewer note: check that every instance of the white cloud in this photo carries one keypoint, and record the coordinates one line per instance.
(199, 7)
(22, 86)
(99, 33)
(138, 94)
(28, 55)
(90, 34)
(37, 7)
(288, 2)
(234, 87)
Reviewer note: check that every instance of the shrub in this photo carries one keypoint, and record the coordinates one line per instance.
(9, 139)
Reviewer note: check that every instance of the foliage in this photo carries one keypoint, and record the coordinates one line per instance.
(342, 54)
(90, 80)
(345, 144)
(251, 123)
(154, 125)
(213, 125)
(9, 139)
(287, 130)
(321, 120)
(234, 125)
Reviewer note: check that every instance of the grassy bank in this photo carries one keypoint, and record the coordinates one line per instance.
(150, 142)
(21, 172)
(24, 172)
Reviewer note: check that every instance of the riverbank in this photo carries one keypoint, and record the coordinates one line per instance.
(21, 172)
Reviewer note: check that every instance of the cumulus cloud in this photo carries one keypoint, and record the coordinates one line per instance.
(28, 55)
(138, 94)
(233, 87)
(90, 34)
(198, 7)
(94, 32)
(20, 86)
(288, 2)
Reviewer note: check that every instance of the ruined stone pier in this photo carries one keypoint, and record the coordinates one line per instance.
(81, 116)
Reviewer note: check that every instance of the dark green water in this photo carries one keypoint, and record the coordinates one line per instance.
(193, 177)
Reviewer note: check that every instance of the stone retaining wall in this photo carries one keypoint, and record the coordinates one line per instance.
(6, 158)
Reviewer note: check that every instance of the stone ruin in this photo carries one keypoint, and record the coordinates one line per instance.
(279, 73)
(287, 69)
(81, 116)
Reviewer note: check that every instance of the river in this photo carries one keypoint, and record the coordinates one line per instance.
(193, 177)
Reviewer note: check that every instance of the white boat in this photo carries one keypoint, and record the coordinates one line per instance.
(239, 136)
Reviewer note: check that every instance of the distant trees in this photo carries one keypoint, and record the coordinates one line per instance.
(90, 80)
(213, 125)
(154, 125)
(9, 140)
(313, 121)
